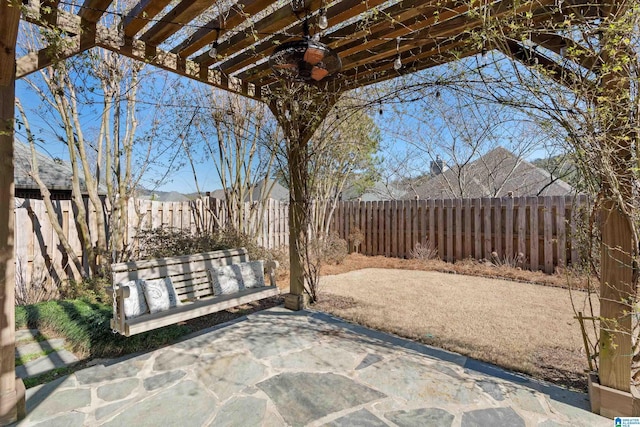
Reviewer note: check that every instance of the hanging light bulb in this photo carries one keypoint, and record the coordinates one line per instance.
(397, 64)
(213, 52)
(323, 22)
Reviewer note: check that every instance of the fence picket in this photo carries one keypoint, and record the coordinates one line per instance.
(534, 233)
(467, 232)
(497, 227)
(548, 235)
(448, 228)
(477, 228)
(561, 230)
(508, 228)
(488, 245)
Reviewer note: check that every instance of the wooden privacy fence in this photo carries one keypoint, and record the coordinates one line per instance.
(209, 215)
(542, 229)
(38, 248)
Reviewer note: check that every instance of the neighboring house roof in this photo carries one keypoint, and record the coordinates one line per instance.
(162, 196)
(55, 173)
(379, 191)
(278, 192)
(496, 174)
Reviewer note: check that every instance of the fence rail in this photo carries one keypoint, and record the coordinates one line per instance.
(542, 229)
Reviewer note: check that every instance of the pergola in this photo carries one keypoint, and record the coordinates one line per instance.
(369, 36)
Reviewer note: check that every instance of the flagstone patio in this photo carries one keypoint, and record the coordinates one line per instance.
(279, 367)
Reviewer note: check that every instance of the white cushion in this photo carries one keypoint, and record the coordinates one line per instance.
(226, 280)
(233, 278)
(135, 305)
(161, 295)
(252, 274)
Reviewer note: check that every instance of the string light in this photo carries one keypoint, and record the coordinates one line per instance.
(213, 52)
(397, 64)
(323, 22)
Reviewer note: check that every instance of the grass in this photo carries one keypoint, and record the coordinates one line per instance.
(86, 329)
(85, 326)
(520, 326)
(49, 376)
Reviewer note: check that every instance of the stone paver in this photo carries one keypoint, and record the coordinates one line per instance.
(278, 368)
(303, 397)
(43, 356)
(492, 417)
(422, 417)
(39, 347)
(357, 418)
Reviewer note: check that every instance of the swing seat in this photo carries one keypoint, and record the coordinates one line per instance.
(193, 278)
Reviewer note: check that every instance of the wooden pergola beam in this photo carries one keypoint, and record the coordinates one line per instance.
(237, 15)
(560, 45)
(174, 20)
(268, 25)
(561, 74)
(92, 10)
(336, 13)
(66, 22)
(149, 54)
(141, 14)
(101, 36)
(34, 61)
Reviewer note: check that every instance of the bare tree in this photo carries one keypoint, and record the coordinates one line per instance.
(237, 137)
(106, 162)
(449, 131)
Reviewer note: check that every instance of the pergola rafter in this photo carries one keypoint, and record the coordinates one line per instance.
(367, 35)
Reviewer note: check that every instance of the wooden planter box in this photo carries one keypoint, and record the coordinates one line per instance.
(610, 402)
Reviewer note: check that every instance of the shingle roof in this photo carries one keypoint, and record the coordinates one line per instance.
(378, 191)
(56, 174)
(278, 192)
(496, 174)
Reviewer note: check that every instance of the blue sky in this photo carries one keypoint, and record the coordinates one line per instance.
(181, 179)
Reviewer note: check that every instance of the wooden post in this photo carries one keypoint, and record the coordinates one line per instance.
(300, 111)
(11, 390)
(617, 285)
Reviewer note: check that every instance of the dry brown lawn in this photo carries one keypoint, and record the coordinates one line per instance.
(521, 326)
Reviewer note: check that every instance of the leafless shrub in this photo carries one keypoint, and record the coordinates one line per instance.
(424, 251)
(355, 238)
(35, 289)
(330, 249)
(512, 261)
